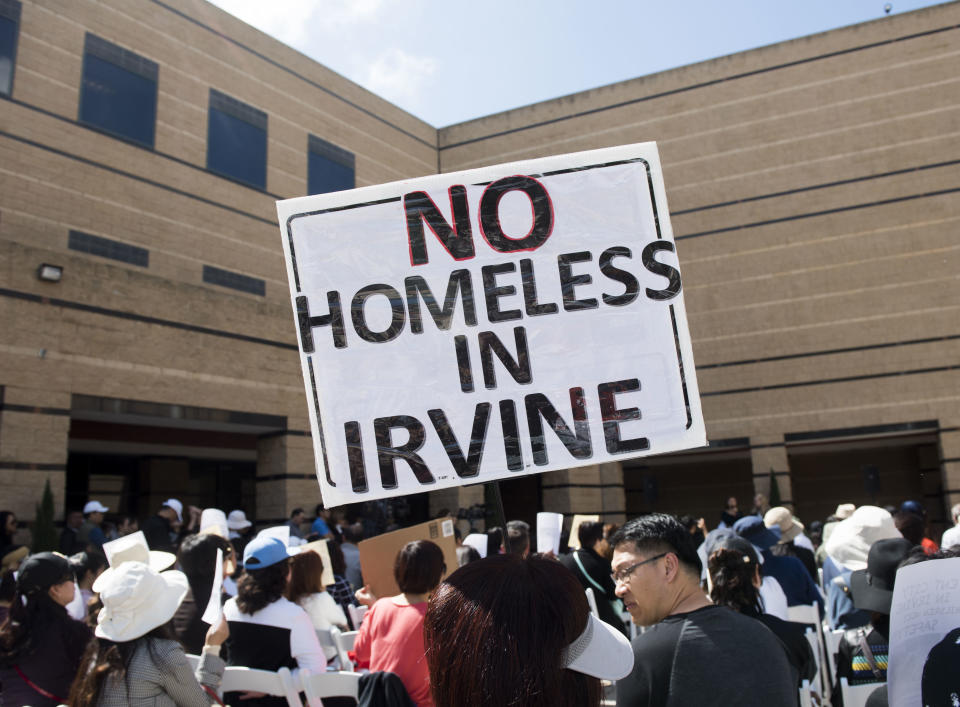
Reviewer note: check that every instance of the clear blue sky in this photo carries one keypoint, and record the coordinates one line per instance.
(447, 62)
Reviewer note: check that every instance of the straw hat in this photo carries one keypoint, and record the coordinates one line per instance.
(136, 599)
(783, 519)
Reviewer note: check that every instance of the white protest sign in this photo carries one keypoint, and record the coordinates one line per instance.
(549, 529)
(481, 325)
(211, 615)
(924, 633)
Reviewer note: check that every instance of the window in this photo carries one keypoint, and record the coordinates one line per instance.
(107, 248)
(234, 280)
(237, 140)
(9, 23)
(118, 93)
(329, 168)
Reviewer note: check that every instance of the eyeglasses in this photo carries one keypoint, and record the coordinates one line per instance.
(621, 576)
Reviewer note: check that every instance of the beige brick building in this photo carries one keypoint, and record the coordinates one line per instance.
(813, 188)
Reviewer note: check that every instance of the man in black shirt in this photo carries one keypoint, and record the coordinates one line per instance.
(694, 653)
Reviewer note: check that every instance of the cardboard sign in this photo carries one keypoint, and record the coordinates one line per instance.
(378, 554)
(925, 634)
(479, 325)
(320, 547)
(574, 542)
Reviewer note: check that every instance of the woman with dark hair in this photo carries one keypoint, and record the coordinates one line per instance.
(306, 590)
(391, 635)
(341, 590)
(40, 645)
(735, 583)
(197, 557)
(135, 660)
(267, 631)
(512, 631)
(8, 528)
(87, 566)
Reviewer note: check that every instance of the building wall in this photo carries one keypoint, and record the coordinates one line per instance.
(813, 191)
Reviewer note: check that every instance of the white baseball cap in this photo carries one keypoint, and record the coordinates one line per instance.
(600, 651)
(94, 507)
(175, 505)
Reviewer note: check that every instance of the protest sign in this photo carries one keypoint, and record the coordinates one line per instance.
(214, 610)
(574, 542)
(378, 553)
(549, 529)
(480, 325)
(925, 634)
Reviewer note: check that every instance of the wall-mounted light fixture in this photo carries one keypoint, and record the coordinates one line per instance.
(50, 273)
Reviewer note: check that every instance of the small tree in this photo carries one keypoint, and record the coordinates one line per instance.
(44, 530)
(774, 490)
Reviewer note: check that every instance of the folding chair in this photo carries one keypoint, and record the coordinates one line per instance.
(277, 684)
(339, 684)
(832, 641)
(856, 695)
(810, 614)
(344, 642)
(356, 615)
(805, 699)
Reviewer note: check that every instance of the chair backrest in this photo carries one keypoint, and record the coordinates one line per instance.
(356, 614)
(831, 641)
(592, 601)
(343, 643)
(805, 699)
(804, 614)
(856, 695)
(278, 684)
(339, 684)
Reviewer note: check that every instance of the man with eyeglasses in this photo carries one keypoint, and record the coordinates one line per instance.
(692, 652)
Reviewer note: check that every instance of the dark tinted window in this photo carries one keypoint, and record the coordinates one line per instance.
(237, 140)
(9, 22)
(234, 280)
(119, 91)
(329, 168)
(107, 248)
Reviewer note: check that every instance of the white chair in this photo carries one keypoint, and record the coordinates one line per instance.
(339, 684)
(810, 614)
(832, 642)
(344, 640)
(805, 699)
(277, 684)
(356, 615)
(856, 695)
(592, 601)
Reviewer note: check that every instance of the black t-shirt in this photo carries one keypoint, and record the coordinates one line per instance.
(711, 656)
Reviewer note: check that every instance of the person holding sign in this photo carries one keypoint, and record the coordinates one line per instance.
(391, 635)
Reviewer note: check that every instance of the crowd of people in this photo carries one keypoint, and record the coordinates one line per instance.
(114, 617)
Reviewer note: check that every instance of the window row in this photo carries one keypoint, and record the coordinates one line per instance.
(118, 95)
(135, 255)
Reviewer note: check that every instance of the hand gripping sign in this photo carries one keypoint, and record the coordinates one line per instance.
(482, 325)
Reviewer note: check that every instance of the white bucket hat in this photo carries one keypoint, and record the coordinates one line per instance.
(600, 651)
(134, 548)
(237, 520)
(136, 599)
(849, 543)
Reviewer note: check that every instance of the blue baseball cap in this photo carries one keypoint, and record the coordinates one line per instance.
(752, 528)
(263, 551)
